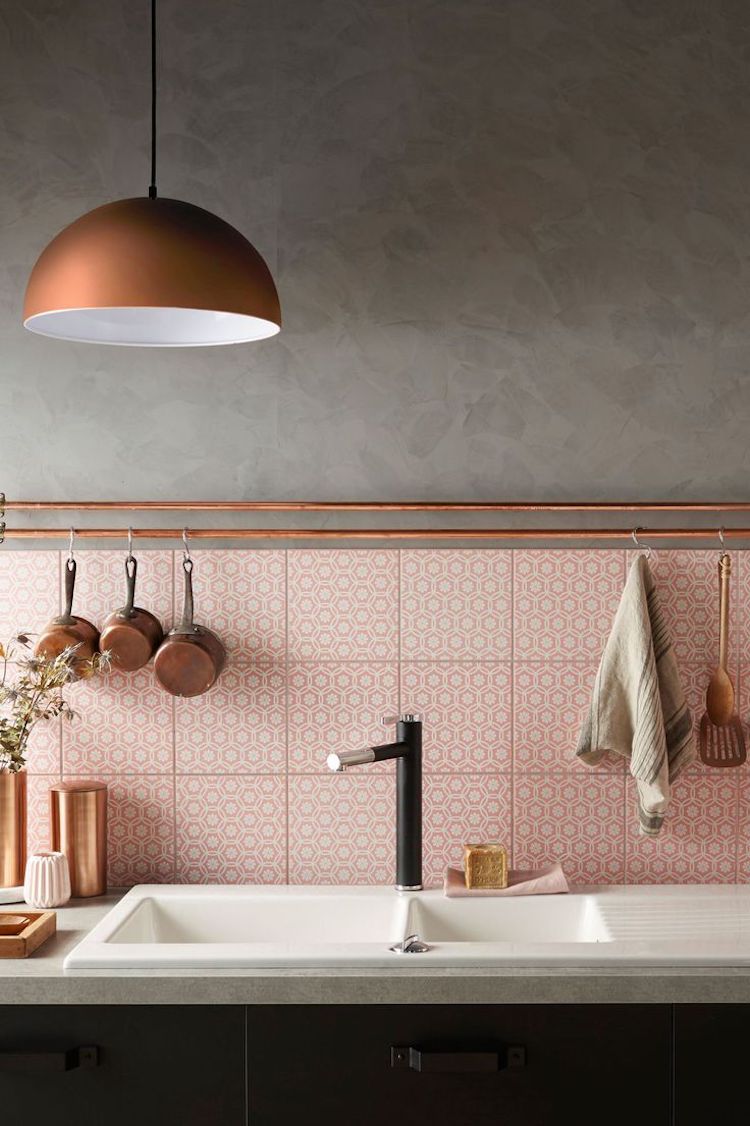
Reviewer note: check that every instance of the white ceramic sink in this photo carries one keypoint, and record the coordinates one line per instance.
(217, 927)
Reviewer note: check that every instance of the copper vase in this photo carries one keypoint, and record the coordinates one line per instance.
(12, 828)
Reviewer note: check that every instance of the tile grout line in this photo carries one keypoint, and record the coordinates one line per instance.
(61, 731)
(286, 716)
(399, 697)
(740, 620)
(512, 800)
(624, 825)
(175, 864)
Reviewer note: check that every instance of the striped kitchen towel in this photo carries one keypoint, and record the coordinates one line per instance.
(638, 708)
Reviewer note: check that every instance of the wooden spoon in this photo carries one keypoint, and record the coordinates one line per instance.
(720, 691)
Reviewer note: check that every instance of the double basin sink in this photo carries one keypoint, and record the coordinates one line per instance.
(216, 927)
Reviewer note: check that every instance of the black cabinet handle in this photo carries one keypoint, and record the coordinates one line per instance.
(428, 1060)
(67, 1060)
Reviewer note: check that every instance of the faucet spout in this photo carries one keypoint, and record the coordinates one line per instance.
(338, 761)
(407, 749)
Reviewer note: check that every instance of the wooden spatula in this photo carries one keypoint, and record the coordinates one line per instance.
(722, 741)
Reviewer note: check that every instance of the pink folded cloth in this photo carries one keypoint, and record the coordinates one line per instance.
(540, 881)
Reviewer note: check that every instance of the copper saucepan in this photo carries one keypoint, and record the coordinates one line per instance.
(67, 629)
(131, 635)
(190, 657)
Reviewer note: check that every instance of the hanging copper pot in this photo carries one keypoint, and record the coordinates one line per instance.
(67, 629)
(191, 657)
(131, 635)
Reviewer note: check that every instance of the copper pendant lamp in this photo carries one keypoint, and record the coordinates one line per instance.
(152, 272)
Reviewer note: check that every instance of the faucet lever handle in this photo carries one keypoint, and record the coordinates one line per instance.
(389, 720)
(409, 717)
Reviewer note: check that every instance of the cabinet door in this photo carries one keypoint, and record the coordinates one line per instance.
(711, 1062)
(156, 1065)
(584, 1065)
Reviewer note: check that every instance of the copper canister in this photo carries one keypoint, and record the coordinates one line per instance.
(78, 828)
(12, 827)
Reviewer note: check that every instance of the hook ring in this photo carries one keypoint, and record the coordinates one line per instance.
(71, 541)
(187, 557)
(641, 546)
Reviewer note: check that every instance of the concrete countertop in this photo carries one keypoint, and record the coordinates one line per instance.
(40, 980)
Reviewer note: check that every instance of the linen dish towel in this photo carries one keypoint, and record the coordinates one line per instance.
(638, 708)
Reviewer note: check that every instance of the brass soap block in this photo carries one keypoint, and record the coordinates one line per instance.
(486, 866)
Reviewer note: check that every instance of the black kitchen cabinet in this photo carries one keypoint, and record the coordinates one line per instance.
(421, 1065)
(577, 1064)
(711, 1061)
(153, 1065)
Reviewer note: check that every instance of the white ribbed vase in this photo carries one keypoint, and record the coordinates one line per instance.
(47, 882)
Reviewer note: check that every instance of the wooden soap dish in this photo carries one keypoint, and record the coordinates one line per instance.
(22, 932)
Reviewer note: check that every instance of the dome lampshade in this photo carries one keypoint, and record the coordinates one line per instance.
(151, 271)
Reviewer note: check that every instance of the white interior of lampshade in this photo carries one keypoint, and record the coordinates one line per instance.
(150, 326)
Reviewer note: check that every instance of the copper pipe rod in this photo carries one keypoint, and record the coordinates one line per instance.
(646, 534)
(371, 506)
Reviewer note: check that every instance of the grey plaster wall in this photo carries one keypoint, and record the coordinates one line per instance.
(511, 239)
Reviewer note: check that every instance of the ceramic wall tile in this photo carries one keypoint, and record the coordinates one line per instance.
(241, 595)
(459, 809)
(140, 829)
(237, 727)
(741, 592)
(37, 796)
(341, 829)
(231, 829)
(343, 605)
(572, 817)
(101, 583)
(743, 826)
(29, 591)
(698, 840)
(339, 706)
(466, 709)
(688, 588)
(550, 704)
(565, 602)
(122, 724)
(456, 605)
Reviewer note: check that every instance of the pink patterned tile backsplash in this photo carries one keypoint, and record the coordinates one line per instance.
(564, 602)
(343, 605)
(100, 583)
(467, 708)
(138, 734)
(341, 829)
(456, 605)
(459, 808)
(242, 595)
(549, 705)
(335, 704)
(29, 591)
(496, 649)
(575, 817)
(239, 727)
(231, 829)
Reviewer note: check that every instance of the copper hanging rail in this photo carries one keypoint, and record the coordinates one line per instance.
(646, 534)
(370, 506)
(520, 534)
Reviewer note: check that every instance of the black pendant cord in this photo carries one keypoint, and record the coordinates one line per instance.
(152, 185)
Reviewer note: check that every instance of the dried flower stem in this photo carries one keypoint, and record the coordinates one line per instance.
(36, 693)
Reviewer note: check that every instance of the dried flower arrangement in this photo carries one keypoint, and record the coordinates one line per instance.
(36, 693)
